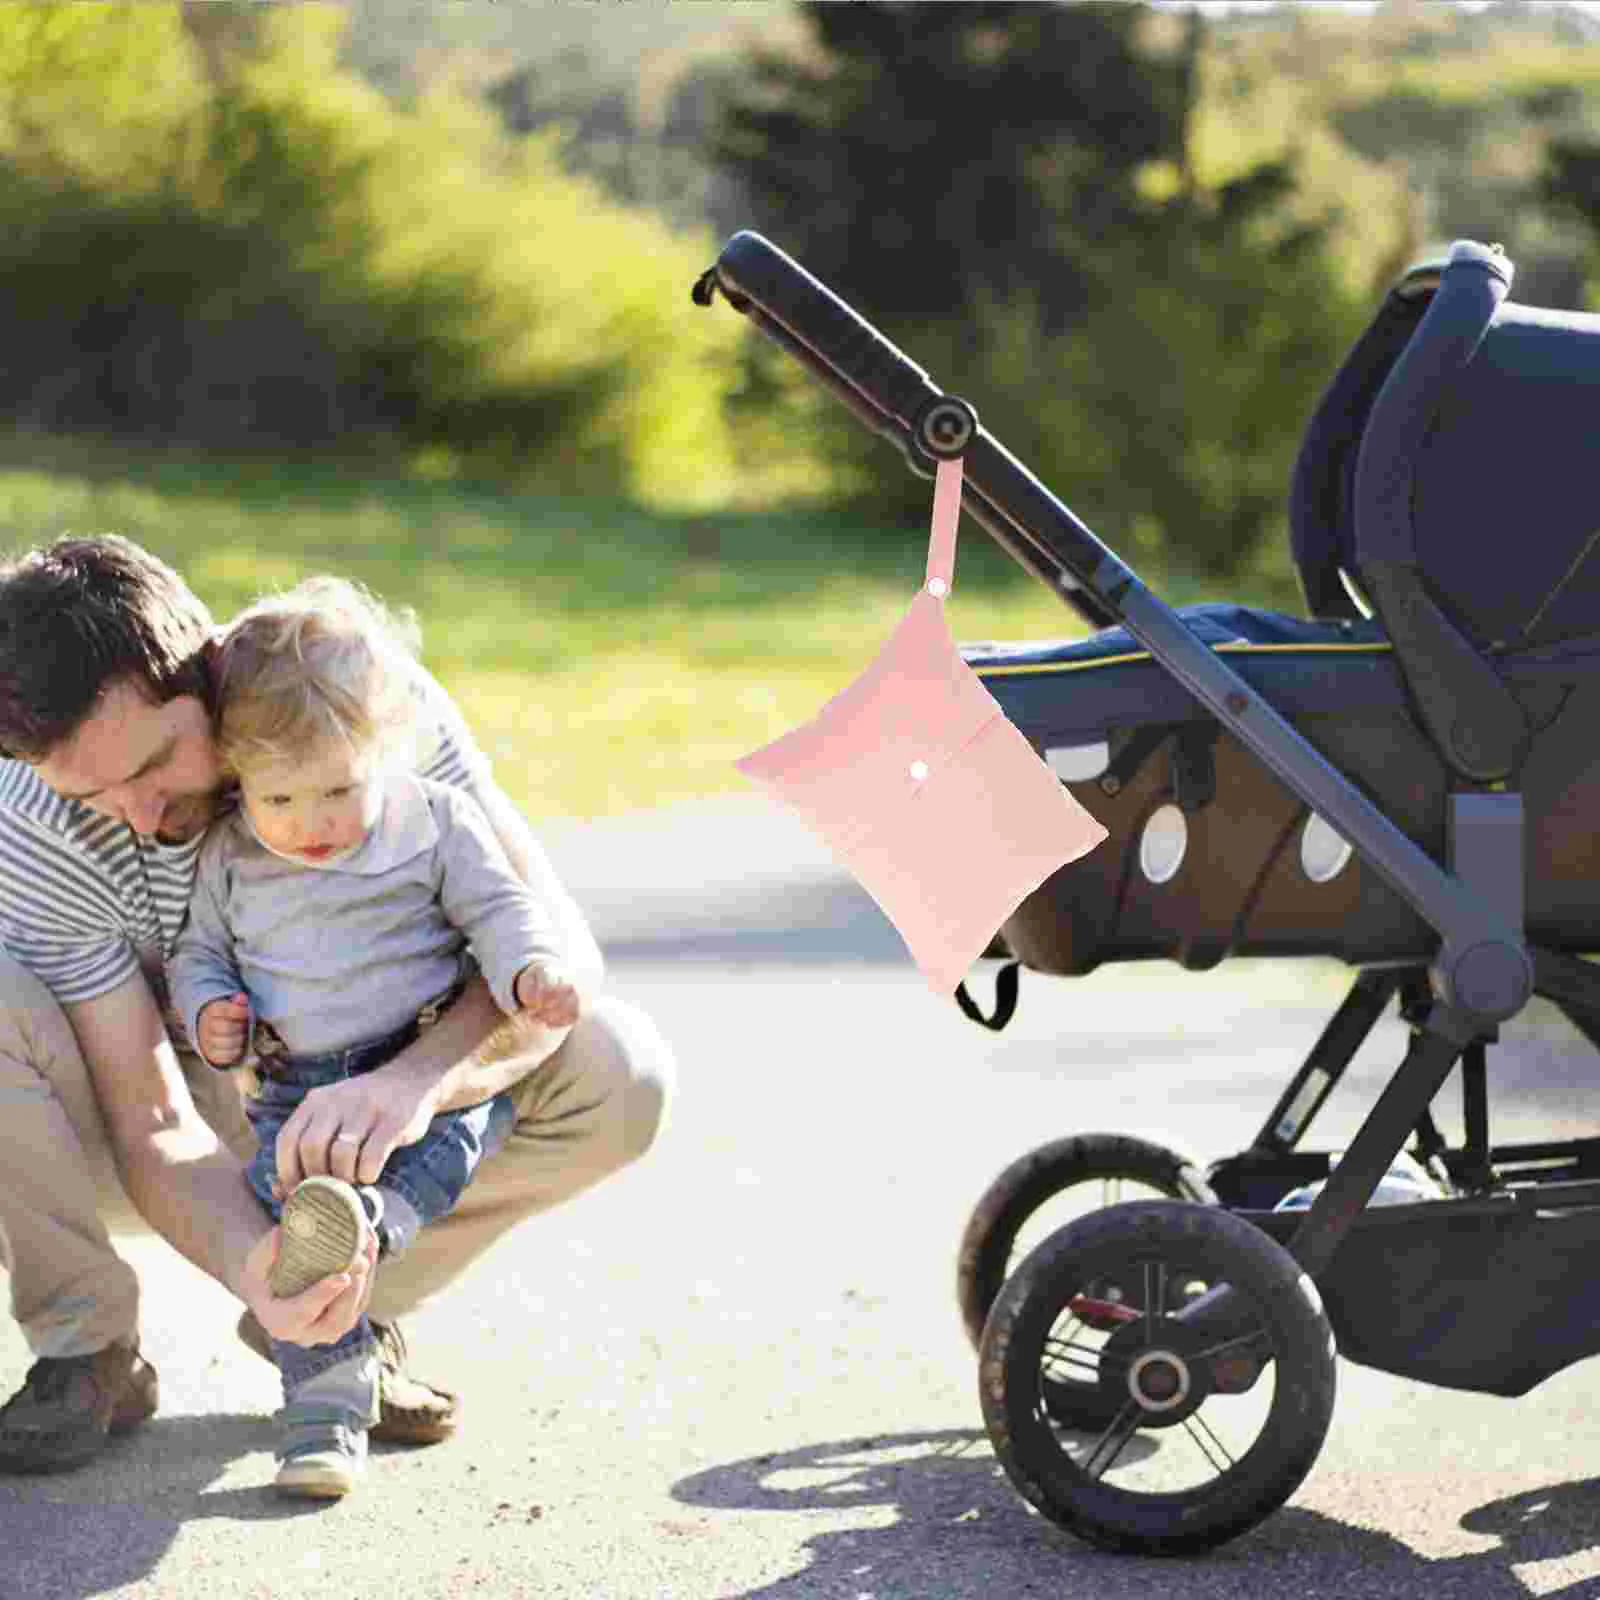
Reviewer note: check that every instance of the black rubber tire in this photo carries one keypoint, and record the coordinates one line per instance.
(1033, 1179)
(1282, 1300)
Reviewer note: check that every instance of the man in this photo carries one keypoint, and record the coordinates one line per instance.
(109, 781)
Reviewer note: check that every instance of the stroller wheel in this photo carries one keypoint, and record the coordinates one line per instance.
(1214, 1423)
(1051, 1186)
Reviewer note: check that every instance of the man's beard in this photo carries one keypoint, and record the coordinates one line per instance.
(187, 817)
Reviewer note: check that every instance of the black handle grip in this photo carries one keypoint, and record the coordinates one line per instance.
(892, 396)
(882, 386)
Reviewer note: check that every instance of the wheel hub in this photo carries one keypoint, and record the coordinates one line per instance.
(1159, 1380)
(1164, 1379)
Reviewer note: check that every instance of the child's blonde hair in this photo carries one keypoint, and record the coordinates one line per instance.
(324, 661)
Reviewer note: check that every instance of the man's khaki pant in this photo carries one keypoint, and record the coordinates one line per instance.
(593, 1106)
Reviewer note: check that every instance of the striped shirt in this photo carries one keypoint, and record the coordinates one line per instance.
(85, 902)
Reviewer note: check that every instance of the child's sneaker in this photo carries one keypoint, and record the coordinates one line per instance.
(325, 1423)
(324, 1451)
(324, 1226)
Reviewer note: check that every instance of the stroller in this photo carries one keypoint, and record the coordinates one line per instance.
(1408, 781)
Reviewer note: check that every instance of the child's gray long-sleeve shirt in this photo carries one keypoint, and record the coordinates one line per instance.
(334, 954)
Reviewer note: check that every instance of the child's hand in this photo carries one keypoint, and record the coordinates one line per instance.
(222, 1028)
(547, 995)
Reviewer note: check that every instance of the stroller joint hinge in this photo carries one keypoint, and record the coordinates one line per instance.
(1488, 979)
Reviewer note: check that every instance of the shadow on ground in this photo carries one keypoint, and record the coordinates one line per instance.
(84, 1533)
(960, 1531)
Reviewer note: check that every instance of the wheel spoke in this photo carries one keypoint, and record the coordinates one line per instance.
(1072, 1371)
(1066, 1339)
(1256, 1337)
(1210, 1445)
(1111, 1443)
(1155, 1298)
(1087, 1358)
(1073, 1352)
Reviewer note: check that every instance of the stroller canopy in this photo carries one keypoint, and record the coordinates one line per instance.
(1504, 516)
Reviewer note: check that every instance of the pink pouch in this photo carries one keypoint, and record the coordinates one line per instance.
(922, 789)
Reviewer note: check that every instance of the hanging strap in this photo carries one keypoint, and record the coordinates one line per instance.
(1005, 999)
(942, 538)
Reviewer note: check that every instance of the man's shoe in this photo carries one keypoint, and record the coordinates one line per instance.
(69, 1407)
(410, 1411)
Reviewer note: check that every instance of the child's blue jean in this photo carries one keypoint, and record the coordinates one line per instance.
(419, 1183)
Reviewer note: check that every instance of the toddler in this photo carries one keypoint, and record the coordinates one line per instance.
(335, 914)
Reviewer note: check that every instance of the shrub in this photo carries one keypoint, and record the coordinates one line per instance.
(286, 260)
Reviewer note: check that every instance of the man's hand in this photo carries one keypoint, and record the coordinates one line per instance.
(547, 994)
(221, 1028)
(321, 1314)
(348, 1130)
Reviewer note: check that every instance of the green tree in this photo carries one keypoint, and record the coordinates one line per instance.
(1432, 117)
(923, 152)
(1569, 187)
(1200, 368)
(226, 34)
(1143, 321)
(233, 243)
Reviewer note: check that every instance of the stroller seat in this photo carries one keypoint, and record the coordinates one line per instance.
(1065, 694)
(1210, 855)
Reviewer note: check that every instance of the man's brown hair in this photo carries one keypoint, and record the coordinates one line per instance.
(80, 615)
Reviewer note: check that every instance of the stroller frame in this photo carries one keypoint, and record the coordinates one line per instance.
(1483, 971)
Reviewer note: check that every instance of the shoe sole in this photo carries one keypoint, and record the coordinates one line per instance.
(411, 1430)
(33, 1459)
(36, 1465)
(309, 1480)
(323, 1227)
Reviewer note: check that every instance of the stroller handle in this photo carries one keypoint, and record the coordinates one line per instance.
(1483, 971)
(893, 397)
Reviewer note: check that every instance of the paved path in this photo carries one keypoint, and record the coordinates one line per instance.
(737, 1371)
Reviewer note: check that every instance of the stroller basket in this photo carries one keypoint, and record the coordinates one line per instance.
(1489, 1295)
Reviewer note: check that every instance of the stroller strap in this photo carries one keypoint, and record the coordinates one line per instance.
(1005, 999)
(942, 534)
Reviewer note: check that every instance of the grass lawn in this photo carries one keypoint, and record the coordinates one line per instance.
(608, 659)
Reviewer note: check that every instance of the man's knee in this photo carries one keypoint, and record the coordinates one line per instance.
(609, 1084)
(635, 1067)
(47, 1102)
(39, 1056)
